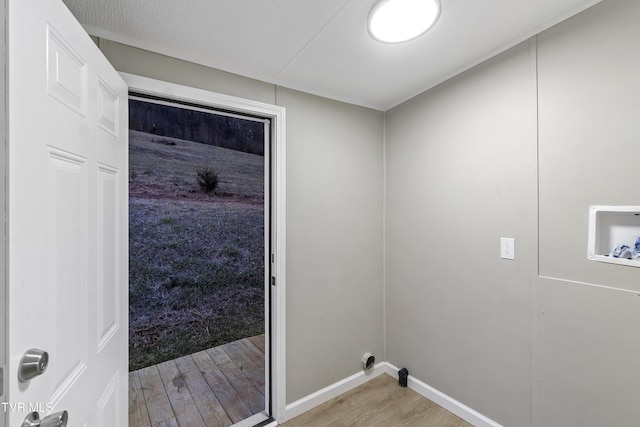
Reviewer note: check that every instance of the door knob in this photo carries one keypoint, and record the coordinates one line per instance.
(33, 363)
(59, 419)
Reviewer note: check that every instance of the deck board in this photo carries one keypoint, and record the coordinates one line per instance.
(138, 413)
(156, 398)
(258, 341)
(229, 398)
(239, 381)
(208, 404)
(184, 408)
(212, 388)
(248, 364)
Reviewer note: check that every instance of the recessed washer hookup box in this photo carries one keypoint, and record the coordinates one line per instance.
(610, 226)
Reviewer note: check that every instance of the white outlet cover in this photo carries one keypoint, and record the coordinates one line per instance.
(507, 248)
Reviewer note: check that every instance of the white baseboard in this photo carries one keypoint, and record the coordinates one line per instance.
(334, 390)
(450, 404)
(309, 402)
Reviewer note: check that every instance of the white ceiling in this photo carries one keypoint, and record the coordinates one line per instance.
(322, 46)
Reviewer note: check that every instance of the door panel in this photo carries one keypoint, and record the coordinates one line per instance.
(67, 216)
(66, 73)
(66, 232)
(108, 296)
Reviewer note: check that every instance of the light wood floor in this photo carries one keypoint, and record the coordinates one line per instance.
(380, 402)
(213, 388)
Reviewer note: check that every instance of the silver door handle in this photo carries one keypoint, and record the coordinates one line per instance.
(33, 363)
(59, 419)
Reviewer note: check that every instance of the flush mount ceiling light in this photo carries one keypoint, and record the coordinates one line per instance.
(397, 21)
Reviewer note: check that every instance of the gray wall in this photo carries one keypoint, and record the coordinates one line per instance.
(334, 240)
(548, 339)
(148, 64)
(461, 173)
(588, 312)
(334, 218)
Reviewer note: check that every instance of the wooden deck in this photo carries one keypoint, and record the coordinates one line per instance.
(213, 388)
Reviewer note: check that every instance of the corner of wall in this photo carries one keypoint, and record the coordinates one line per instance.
(384, 235)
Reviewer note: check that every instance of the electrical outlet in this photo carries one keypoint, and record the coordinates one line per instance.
(507, 248)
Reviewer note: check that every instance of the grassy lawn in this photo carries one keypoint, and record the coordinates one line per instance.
(196, 260)
(165, 167)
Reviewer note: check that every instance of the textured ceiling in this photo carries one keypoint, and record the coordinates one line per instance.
(322, 46)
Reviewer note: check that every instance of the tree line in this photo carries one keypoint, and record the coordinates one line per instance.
(207, 128)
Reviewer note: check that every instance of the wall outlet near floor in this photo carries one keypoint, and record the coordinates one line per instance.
(507, 248)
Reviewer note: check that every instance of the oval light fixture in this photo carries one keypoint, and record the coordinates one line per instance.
(397, 21)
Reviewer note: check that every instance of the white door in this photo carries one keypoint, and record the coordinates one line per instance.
(67, 219)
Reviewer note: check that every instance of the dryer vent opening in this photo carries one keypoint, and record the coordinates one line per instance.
(368, 360)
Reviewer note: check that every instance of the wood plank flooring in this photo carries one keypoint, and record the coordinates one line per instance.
(213, 388)
(380, 402)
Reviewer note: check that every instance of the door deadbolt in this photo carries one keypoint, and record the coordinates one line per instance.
(33, 363)
(59, 419)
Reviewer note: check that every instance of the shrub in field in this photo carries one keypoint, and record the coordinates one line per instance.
(207, 178)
